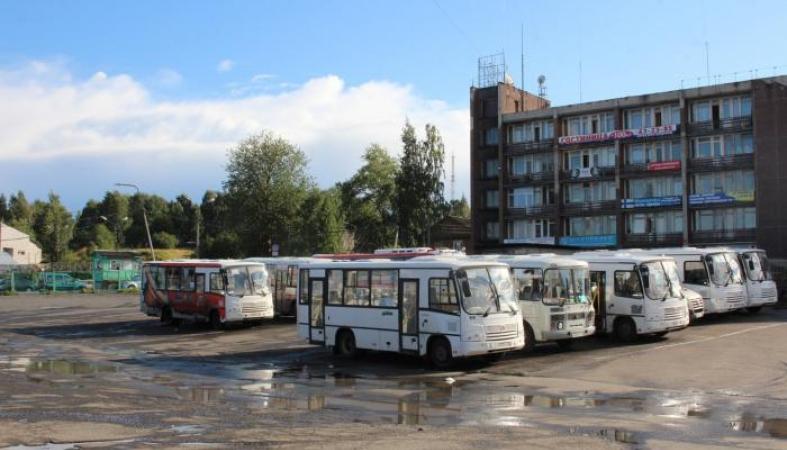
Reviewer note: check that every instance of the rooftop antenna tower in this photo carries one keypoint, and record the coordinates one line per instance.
(491, 70)
(542, 88)
(453, 174)
(522, 73)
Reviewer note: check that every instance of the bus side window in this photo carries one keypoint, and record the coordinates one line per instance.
(292, 273)
(335, 286)
(442, 295)
(303, 287)
(173, 278)
(529, 284)
(695, 273)
(627, 284)
(385, 287)
(216, 282)
(200, 282)
(187, 280)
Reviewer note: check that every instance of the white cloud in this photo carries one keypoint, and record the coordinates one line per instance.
(225, 65)
(46, 115)
(166, 77)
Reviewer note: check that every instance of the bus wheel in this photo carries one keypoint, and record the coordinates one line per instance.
(440, 353)
(166, 316)
(565, 344)
(215, 320)
(754, 309)
(345, 344)
(530, 339)
(625, 330)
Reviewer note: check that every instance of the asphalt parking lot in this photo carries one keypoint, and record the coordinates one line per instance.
(84, 371)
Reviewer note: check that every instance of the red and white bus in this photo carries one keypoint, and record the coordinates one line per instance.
(216, 291)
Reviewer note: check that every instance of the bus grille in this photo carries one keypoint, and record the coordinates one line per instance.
(736, 301)
(501, 332)
(253, 310)
(673, 313)
(767, 293)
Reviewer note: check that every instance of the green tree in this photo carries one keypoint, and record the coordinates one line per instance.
(21, 213)
(85, 229)
(419, 184)
(322, 223)
(369, 199)
(162, 239)
(114, 209)
(266, 183)
(459, 208)
(53, 226)
(5, 214)
(103, 237)
(158, 218)
(184, 214)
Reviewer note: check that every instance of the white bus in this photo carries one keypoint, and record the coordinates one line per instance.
(554, 296)
(441, 308)
(760, 287)
(283, 277)
(712, 272)
(635, 293)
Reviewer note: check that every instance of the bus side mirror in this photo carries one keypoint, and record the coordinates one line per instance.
(751, 264)
(466, 288)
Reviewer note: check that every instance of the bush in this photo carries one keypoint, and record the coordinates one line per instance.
(162, 239)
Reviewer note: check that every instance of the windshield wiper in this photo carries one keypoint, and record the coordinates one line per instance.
(486, 313)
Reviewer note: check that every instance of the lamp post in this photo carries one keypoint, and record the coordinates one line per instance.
(144, 217)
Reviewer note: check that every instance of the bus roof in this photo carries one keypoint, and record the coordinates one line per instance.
(426, 262)
(202, 263)
(684, 250)
(619, 256)
(542, 260)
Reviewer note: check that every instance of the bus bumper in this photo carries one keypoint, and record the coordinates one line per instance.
(483, 348)
(573, 333)
(659, 326)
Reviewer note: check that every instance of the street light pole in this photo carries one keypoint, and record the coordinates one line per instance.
(144, 217)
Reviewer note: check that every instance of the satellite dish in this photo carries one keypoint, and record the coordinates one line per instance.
(509, 79)
(541, 79)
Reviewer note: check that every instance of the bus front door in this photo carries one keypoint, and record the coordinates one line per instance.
(408, 315)
(598, 291)
(317, 310)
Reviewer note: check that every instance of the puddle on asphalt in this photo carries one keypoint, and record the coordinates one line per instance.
(67, 367)
(201, 394)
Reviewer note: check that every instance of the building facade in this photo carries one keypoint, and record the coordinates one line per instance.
(697, 166)
(19, 246)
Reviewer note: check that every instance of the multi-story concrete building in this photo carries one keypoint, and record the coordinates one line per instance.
(700, 166)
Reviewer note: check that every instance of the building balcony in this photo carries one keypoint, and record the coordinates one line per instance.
(587, 174)
(531, 178)
(723, 236)
(653, 240)
(731, 162)
(531, 211)
(591, 208)
(651, 168)
(521, 148)
(730, 125)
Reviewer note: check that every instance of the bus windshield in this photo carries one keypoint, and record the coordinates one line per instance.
(566, 286)
(478, 292)
(659, 280)
(246, 280)
(504, 285)
(756, 266)
(723, 269)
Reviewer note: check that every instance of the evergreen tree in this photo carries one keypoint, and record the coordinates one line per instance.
(53, 226)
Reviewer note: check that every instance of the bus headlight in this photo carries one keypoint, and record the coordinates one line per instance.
(558, 322)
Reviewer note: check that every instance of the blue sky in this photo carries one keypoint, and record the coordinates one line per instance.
(96, 91)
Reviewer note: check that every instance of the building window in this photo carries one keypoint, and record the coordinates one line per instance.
(643, 153)
(491, 168)
(595, 157)
(655, 223)
(530, 229)
(720, 146)
(733, 181)
(589, 124)
(590, 192)
(8, 250)
(530, 197)
(490, 136)
(531, 164)
(724, 108)
(536, 131)
(654, 116)
(725, 219)
(492, 230)
(591, 226)
(492, 198)
(655, 187)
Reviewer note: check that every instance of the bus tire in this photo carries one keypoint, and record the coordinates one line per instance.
(753, 309)
(345, 344)
(215, 320)
(565, 344)
(530, 339)
(439, 353)
(625, 329)
(166, 316)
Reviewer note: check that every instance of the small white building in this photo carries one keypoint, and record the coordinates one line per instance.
(19, 246)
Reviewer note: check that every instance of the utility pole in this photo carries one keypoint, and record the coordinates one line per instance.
(144, 217)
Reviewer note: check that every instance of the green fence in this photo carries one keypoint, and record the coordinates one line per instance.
(66, 279)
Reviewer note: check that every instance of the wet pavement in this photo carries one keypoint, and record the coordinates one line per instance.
(92, 372)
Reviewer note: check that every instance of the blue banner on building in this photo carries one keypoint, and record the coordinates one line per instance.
(605, 240)
(650, 202)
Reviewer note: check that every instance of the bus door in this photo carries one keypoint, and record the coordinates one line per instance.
(200, 300)
(408, 314)
(317, 309)
(598, 291)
